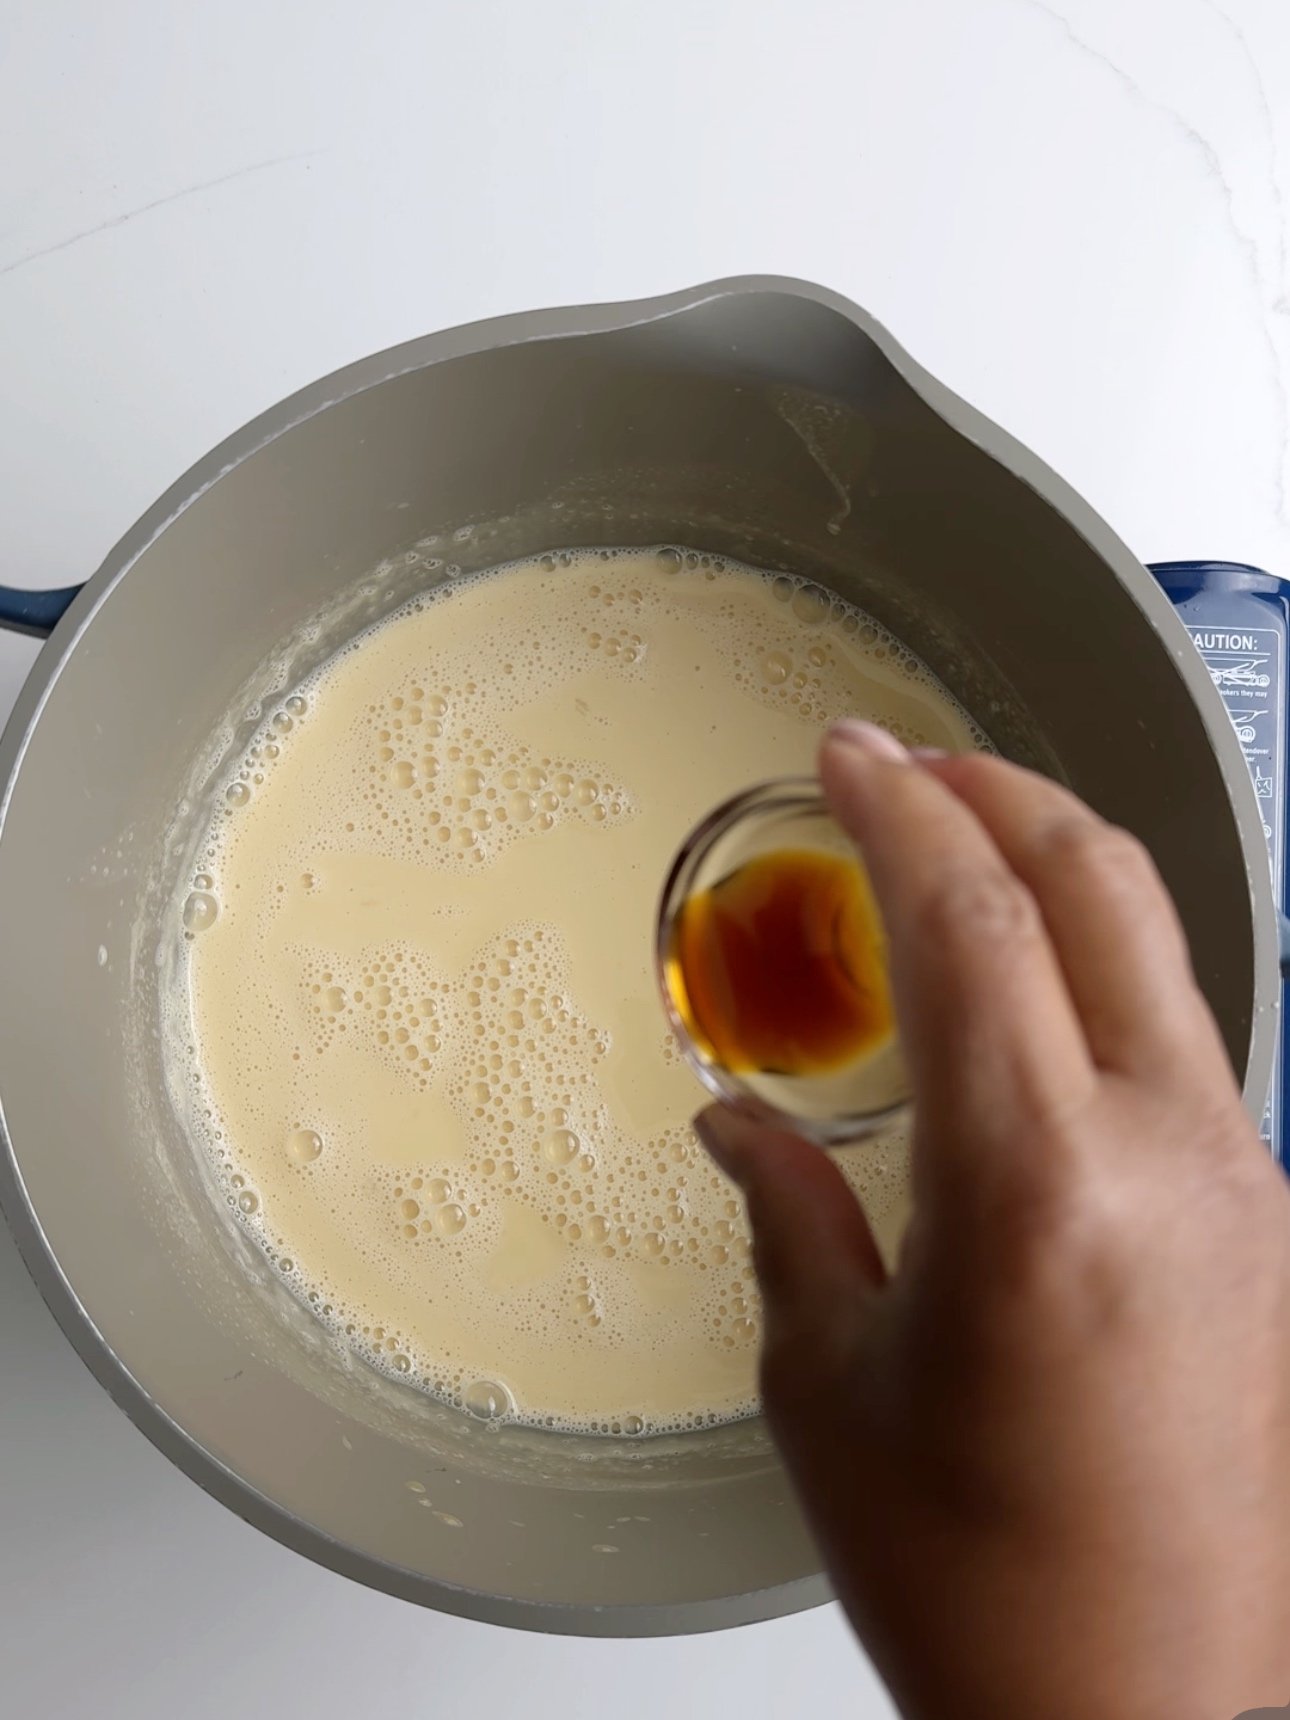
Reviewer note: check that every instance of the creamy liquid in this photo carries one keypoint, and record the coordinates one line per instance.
(428, 1040)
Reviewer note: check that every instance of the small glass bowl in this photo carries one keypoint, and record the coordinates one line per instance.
(848, 1102)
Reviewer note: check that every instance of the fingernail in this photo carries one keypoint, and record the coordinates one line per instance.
(711, 1138)
(929, 755)
(869, 738)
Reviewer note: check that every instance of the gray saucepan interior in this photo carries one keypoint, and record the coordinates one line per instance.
(764, 419)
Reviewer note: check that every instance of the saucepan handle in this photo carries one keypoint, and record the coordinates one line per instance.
(34, 612)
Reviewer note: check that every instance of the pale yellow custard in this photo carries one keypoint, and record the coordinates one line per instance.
(421, 984)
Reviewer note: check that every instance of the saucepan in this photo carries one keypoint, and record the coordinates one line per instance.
(764, 418)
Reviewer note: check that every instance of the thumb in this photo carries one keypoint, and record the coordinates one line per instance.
(816, 1259)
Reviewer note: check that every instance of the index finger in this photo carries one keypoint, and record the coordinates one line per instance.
(1112, 923)
(990, 1032)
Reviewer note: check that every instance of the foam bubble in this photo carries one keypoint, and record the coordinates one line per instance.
(200, 911)
(488, 1400)
(304, 1146)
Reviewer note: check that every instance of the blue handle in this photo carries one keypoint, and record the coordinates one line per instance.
(34, 612)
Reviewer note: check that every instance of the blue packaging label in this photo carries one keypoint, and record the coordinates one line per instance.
(1246, 665)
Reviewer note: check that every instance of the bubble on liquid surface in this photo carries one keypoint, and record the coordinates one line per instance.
(238, 794)
(201, 911)
(487, 1399)
(561, 1147)
(811, 604)
(304, 1146)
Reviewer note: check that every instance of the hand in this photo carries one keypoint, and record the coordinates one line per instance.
(1048, 1459)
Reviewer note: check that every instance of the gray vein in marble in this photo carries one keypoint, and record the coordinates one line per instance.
(1281, 300)
(146, 208)
(1245, 243)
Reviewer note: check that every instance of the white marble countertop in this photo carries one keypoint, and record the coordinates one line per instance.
(1075, 214)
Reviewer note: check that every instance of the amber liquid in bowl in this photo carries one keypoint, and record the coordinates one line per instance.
(773, 966)
(780, 966)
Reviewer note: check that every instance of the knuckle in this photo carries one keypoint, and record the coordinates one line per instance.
(966, 908)
(974, 772)
(1103, 855)
(1044, 1218)
(1055, 1249)
(1056, 1215)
